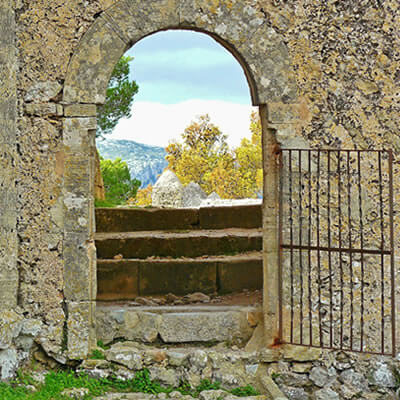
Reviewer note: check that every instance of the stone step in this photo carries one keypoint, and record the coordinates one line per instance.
(177, 324)
(177, 244)
(147, 219)
(128, 278)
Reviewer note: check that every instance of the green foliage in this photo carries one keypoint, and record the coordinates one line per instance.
(103, 346)
(117, 182)
(97, 355)
(119, 98)
(245, 391)
(56, 382)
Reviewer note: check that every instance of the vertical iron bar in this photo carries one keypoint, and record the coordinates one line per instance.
(300, 251)
(392, 269)
(318, 251)
(382, 256)
(340, 250)
(329, 254)
(309, 245)
(350, 246)
(362, 247)
(291, 246)
(280, 256)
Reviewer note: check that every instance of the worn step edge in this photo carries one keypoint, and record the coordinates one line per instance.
(246, 256)
(178, 234)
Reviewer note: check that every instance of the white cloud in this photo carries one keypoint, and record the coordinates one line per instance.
(156, 124)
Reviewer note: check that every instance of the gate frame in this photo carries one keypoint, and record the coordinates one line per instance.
(383, 251)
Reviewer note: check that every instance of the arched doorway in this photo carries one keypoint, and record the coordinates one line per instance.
(241, 29)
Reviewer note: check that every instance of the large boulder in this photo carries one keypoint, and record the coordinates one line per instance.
(193, 195)
(168, 191)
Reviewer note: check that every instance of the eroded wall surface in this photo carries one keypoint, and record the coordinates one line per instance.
(345, 57)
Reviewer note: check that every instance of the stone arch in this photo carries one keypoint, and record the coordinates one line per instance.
(241, 29)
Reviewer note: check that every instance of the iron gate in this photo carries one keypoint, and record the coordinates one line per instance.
(336, 275)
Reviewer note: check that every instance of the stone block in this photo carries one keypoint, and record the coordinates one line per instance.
(179, 277)
(79, 267)
(145, 219)
(8, 294)
(10, 327)
(283, 113)
(77, 214)
(235, 275)
(127, 354)
(80, 110)
(91, 66)
(81, 329)
(135, 19)
(204, 327)
(246, 217)
(79, 135)
(42, 92)
(7, 131)
(8, 364)
(43, 109)
(8, 108)
(117, 280)
(77, 176)
(301, 353)
(142, 326)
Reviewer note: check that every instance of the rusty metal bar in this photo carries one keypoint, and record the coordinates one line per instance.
(362, 246)
(392, 268)
(382, 256)
(337, 249)
(291, 243)
(350, 253)
(340, 248)
(329, 253)
(309, 245)
(321, 342)
(280, 255)
(300, 250)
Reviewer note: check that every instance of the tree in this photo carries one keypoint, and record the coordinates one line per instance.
(118, 184)
(119, 98)
(143, 197)
(204, 157)
(249, 159)
(203, 144)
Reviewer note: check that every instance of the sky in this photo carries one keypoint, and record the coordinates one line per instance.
(181, 75)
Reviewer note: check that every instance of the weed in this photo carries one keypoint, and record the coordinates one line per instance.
(97, 355)
(56, 382)
(245, 391)
(102, 345)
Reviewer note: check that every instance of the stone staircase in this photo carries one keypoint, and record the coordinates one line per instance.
(145, 252)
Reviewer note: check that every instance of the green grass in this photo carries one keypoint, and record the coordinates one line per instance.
(56, 382)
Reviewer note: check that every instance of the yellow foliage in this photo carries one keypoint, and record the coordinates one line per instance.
(204, 157)
(143, 196)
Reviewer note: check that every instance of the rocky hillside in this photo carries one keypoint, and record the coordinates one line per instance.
(145, 162)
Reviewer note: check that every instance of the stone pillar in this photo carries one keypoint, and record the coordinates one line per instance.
(8, 196)
(270, 229)
(79, 226)
(279, 124)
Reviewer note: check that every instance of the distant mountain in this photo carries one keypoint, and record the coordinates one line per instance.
(145, 162)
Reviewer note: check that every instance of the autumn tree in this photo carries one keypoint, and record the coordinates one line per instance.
(204, 157)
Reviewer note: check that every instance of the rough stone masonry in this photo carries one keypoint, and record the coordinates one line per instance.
(323, 74)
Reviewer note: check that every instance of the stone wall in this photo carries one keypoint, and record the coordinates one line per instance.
(344, 61)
